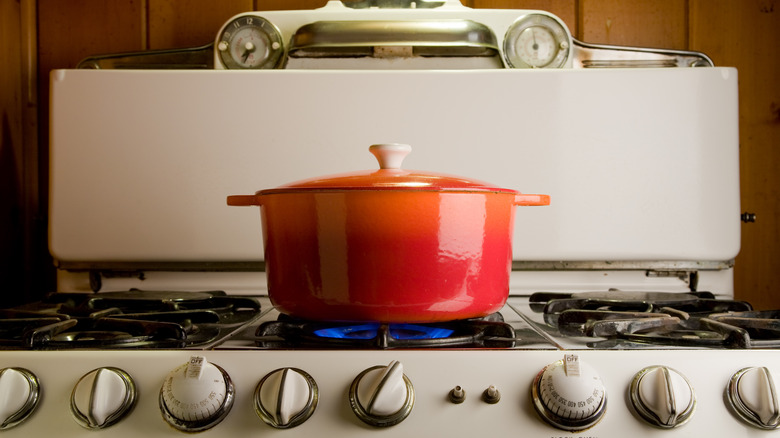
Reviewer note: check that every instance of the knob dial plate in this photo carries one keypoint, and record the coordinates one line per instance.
(196, 396)
(102, 397)
(569, 394)
(753, 396)
(662, 396)
(19, 396)
(286, 397)
(382, 395)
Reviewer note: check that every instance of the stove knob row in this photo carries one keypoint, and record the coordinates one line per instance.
(569, 394)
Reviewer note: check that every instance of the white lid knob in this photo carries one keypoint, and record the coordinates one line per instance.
(390, 155)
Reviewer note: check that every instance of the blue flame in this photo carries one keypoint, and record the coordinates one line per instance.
(397, 331)
(363, 331)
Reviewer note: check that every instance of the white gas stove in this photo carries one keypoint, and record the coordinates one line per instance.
(620, 318)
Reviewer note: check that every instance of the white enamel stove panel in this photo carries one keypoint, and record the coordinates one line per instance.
(432, 373)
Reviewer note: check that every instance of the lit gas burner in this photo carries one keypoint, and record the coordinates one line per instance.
(396, 331)
(488, 332)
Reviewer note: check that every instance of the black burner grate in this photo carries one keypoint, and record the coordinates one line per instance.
(694, 319)
(126, 319)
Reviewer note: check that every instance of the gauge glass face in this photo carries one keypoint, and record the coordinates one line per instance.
(250, 42)
(536, 41)
(536, 46)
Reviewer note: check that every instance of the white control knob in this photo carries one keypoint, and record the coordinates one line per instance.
(19, 396)
(569, 394)
(102, 397)
(753, 396)
(662, 396)
(382, 395)
(196, 396)
(286, 397)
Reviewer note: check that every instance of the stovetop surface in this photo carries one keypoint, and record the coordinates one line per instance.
(610, 320)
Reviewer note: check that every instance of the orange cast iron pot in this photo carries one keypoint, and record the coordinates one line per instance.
(389, 246)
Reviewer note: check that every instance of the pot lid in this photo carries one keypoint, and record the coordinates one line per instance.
(390, 176)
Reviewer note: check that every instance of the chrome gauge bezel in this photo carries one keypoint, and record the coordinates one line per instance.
(555, 33)
(225, 44)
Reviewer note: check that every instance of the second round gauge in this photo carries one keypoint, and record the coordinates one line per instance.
(536, 41)
(250, 42)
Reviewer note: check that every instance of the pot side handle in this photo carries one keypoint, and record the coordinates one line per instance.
(243, 200)
(524, 199)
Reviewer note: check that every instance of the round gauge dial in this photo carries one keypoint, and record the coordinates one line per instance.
(536, 41)
(250, 42)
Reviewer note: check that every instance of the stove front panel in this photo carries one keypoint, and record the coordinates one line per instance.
(432, 373)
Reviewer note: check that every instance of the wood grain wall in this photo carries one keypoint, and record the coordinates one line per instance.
(740, 33)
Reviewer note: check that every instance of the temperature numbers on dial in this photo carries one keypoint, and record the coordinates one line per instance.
(196, 395)
(552, 397)
(187, 408)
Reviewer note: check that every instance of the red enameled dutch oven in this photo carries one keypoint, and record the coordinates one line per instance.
(390, 245)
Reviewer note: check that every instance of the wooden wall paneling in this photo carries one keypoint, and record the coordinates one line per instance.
(657, 23)
(74, 29)
(12, 227)
(177, 24)
(10, 104)
(565, 9)
(745, 35)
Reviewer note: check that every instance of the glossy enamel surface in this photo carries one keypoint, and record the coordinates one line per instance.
(388, 245)
(388, 255)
